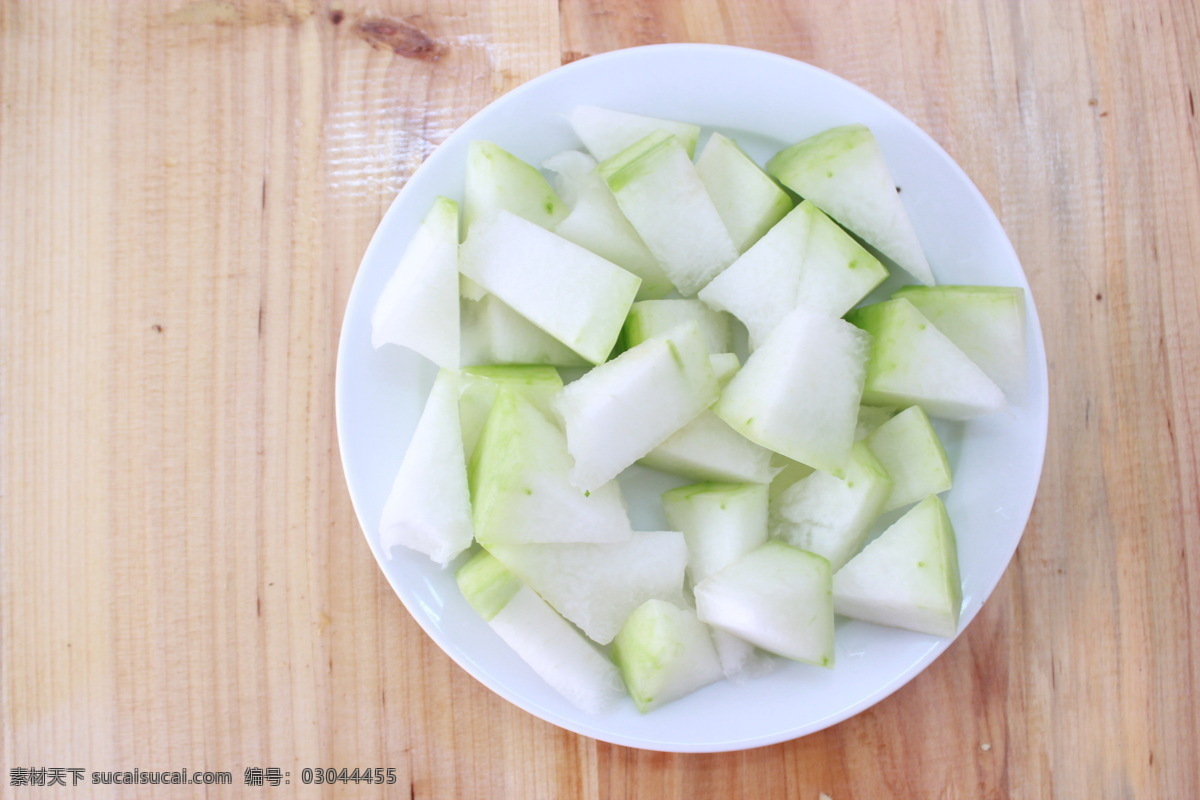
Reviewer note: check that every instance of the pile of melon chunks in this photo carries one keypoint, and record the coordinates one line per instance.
(639, 264)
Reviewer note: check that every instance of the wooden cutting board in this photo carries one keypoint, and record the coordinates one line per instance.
(186, 189)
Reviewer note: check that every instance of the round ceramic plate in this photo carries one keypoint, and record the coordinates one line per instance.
(765, 102)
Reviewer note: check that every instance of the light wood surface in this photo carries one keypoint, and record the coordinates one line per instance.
(186, 189)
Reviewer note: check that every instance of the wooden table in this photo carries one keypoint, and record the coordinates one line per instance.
(186, 188)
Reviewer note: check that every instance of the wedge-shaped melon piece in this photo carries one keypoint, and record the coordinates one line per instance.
(707, 449)
(499, 181)
(908, 576)
(798, 393)
(843, 171)
(985, 322)
(481, 386)
(909, 449)
(787, 472)
(492, 333)
(595, 222)
(831, 516)
(648, 318)
(724, 366)
(913, 363)
(721, 522)
(418, 307)
(740, 660)
(747, 199)
(870, 418)
(664, 653)
(556, 651)
(776, 597)
(520, 488)
(621, 410)
(597, 586)
(605, 132)
(569, 292)
(805, 260)
(429, 508)
(658, 190)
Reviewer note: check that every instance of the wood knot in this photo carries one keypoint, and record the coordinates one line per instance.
(402, 38)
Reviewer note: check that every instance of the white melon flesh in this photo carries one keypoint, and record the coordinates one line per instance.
(499, 181)
(597, 586)
(748, 200)
(909, 449)
(481, 386)
(621, 410)
(492, 333)
(843, 172)
(648, 318)
(913, 363)
(787, 473)
(838, 271)
(569, 292)
(776, 597)
(908, 576)
(418, 307)
(595, 222)
(870, 418)
(520, 488)
(551, 646)
(605, 132)
(707, 449)
(740, 660)
(721, 522)
(658, 190)
(831, 516)
(725, 366)
(429, 507)
(805, 260)
(664, 653)
(985, 322)
(798, 393)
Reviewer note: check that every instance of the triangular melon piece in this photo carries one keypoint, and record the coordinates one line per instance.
(494, 334)
(569, 292)
(605, 132)
(843, 172)
(551, 646)
(621, 410)
(481, 386)
(908, 576)
(664, 653)
(985, 322)
(805, 260)
(649, 318)
(913, 363)
(595, 222)
(520, 488)
(909, 449)
(707, 449)
(597, 586)
(776, 597)
(658, 190)
(747, 199)
(429, 508)
(831, 516)
(418, 307)
(798, 393)
(499, 181)
(721, 522)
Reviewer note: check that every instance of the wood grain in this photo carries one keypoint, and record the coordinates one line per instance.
(185, 191)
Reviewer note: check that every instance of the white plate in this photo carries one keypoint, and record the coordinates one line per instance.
(766, 102)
